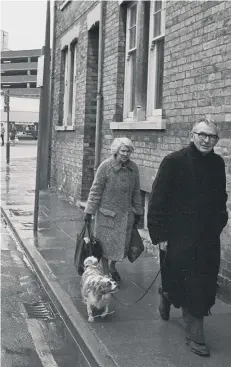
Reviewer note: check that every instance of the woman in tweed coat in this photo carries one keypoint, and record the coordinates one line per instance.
(115, 199)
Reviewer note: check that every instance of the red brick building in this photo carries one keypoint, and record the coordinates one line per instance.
(161, 66)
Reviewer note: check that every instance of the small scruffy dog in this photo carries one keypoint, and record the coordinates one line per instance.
(96, 289)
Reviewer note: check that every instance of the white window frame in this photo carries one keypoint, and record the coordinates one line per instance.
(152, 111)
(74, 84)
(128, 114)
(65, 94)
(70, 86)
(64, 4)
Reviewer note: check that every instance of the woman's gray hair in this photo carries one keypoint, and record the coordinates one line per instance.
(117, 142)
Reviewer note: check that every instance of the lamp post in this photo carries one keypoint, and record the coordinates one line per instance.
(43, 126)
(7, 110)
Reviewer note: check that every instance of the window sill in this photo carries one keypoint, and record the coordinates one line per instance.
(62, 6)
(155, 124)
(64, 128)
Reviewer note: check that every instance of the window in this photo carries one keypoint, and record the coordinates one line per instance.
(64, 4)
(65, 94)
(145, 23)
(156, 57)
(130, 71)
(69, 96)
(72, 85)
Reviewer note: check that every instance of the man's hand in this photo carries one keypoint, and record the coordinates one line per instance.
(163, 245)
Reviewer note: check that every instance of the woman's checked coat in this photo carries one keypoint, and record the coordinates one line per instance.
(115, 198)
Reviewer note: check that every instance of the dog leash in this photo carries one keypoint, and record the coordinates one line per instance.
(150, 286)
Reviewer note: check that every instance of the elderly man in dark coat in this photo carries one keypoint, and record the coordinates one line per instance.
(187, 212)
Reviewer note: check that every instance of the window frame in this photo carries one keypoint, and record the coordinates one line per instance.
(69, 57)
(64, 4)
(74, 81)
(154, 41)
(150, 118)
(128, 114)
(65, 54)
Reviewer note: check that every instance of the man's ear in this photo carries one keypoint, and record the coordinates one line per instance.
(191, 136)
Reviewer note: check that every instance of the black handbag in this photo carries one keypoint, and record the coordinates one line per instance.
(136, 246)
(85, 248)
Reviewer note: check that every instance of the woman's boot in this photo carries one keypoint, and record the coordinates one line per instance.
(114, 273)
(105, 266)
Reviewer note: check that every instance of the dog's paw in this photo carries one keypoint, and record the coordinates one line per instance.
(90, 318)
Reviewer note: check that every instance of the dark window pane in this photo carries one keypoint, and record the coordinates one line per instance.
(160, 73)
(133, 80)
(157, 24)
(71, 86)
(132, 42)
(158, 5)
(133, 16)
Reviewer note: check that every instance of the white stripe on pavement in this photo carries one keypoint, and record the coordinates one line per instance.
(40, 343)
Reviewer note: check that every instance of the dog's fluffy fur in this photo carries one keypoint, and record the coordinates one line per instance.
(96, 289)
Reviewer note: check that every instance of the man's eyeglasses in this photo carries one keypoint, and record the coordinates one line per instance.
(203, 136)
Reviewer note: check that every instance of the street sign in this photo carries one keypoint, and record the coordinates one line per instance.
(40, 71)
(6, 97)
(6, 100)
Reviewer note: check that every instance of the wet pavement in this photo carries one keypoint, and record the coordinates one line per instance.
(32, 333)
(131, 336)
(21, 149)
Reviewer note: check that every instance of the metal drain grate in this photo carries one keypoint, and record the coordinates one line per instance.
(39, 310)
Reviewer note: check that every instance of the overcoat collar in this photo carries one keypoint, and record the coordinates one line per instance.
(195, 153)
(117, 166)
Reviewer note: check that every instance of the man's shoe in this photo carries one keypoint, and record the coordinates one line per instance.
(200, 349)
(164, 307)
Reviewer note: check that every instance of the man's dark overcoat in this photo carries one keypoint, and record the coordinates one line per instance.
(187, 209)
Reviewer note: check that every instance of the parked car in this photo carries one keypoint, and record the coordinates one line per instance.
(29, 135)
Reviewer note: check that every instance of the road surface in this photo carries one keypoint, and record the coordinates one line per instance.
(21, 149)
(32, 333)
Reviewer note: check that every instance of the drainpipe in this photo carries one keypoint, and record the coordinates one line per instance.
(99, 90)
(51, 97)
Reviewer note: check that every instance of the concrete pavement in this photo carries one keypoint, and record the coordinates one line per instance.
(131, 336)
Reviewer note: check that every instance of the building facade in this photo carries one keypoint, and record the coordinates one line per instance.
(153, 70)
(19, 72)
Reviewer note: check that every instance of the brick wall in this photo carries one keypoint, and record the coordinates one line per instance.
(197, 82)
(71, 162)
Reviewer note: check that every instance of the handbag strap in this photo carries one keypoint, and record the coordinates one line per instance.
(83, 231)
(88, 227)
